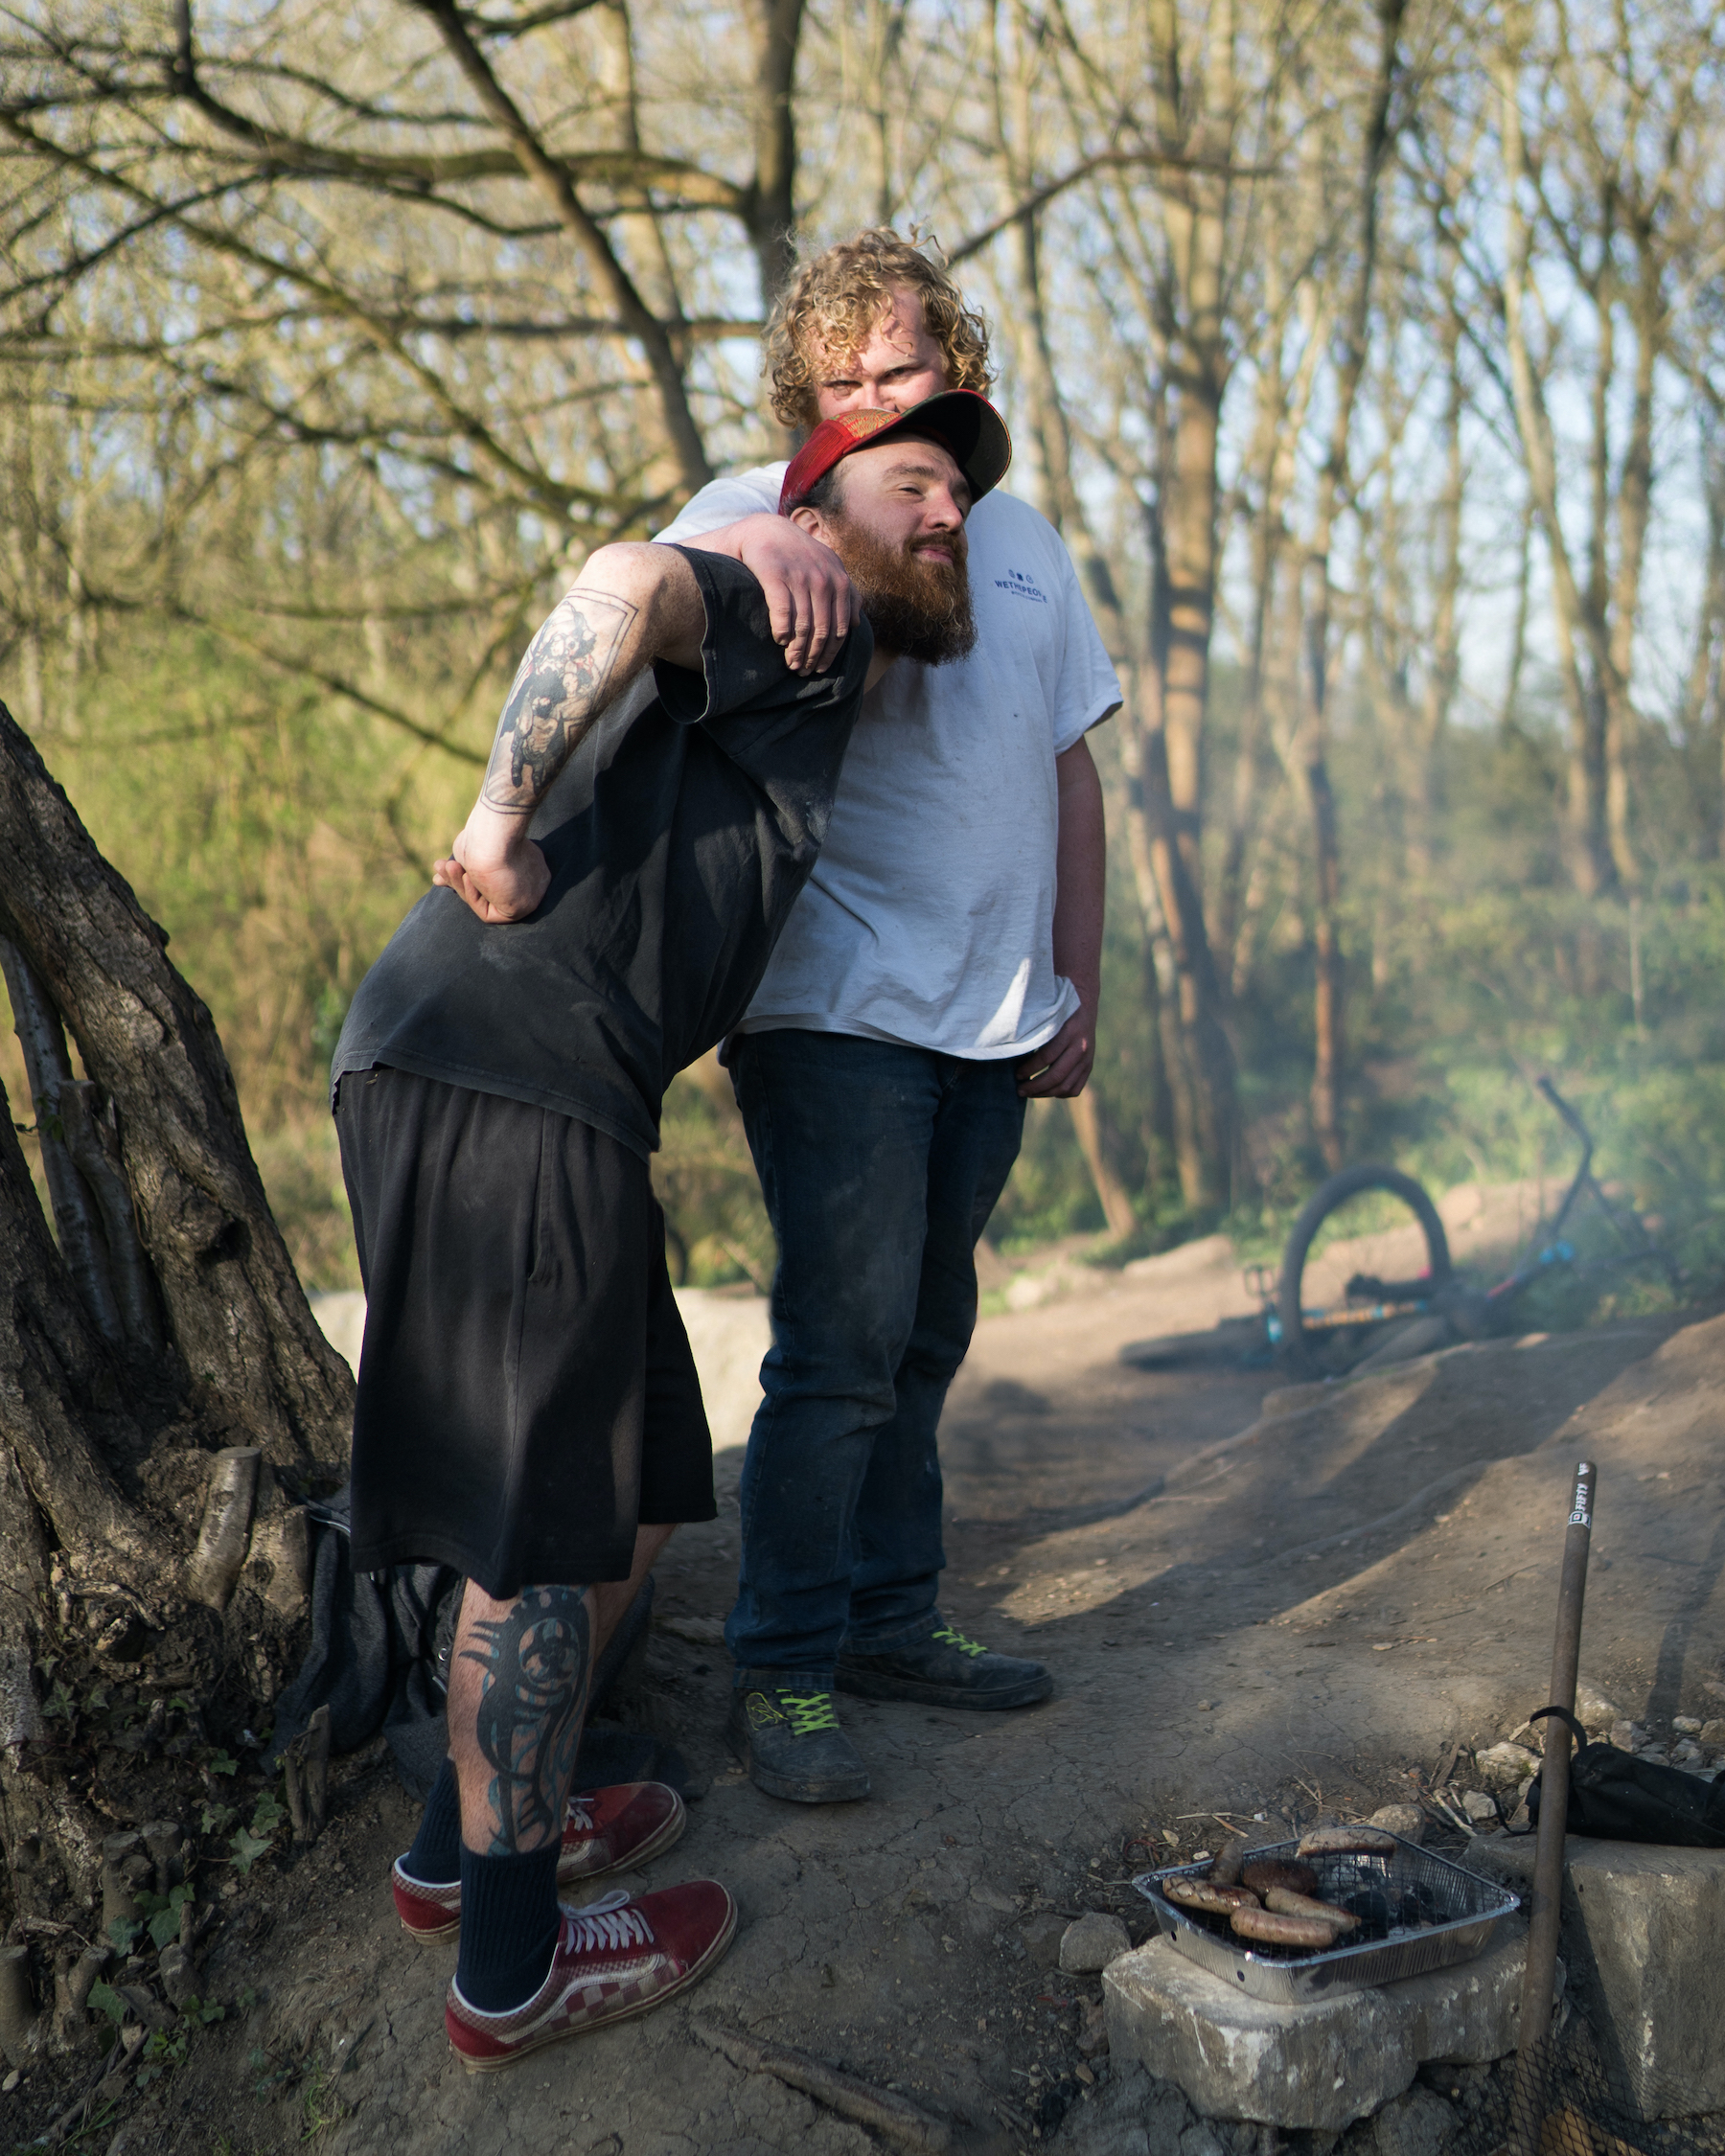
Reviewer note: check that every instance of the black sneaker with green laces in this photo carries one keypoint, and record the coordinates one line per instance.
(790, 1740)
(945, 1669)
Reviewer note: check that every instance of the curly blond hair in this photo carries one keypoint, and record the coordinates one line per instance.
(835, 300)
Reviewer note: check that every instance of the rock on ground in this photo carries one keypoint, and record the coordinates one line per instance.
(1091, 1942)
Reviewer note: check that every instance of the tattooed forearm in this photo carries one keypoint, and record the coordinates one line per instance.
(560, 688)
(534, 1664)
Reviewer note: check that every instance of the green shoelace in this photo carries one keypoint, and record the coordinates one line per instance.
(948, 1637)
(808, 1712)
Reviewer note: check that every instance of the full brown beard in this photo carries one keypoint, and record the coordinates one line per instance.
(918, 607)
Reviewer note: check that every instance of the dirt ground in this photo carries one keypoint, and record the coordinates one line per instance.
(1257, 1600)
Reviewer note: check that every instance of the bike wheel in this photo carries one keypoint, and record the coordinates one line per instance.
(1329, 1342)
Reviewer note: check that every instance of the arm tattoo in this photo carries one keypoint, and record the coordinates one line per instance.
(534, 1668)
(560, 688)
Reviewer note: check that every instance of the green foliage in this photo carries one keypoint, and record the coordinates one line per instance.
(321, 2107)
(716, 1228)
(161, 1913)
(249, 1844)
(165, 2049)
(248, 1848)
(105, 1999)
(281, 836)
(161, 2051)
(271, 2075)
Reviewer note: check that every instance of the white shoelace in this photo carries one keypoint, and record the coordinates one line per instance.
(612, 1921)
(581, 1812)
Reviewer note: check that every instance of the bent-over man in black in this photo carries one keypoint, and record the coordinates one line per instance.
(528, 1410)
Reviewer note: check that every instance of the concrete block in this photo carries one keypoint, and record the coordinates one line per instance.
(1641, 1924)
(1318, 2066)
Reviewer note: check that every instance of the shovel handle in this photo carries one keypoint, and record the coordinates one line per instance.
(1527, 2103)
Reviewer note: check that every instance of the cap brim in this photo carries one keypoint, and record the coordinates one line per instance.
(967, 426)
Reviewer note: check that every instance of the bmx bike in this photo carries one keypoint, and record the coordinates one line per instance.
(1383, 1320)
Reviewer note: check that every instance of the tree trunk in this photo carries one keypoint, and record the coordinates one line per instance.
(1588, 854)
(259, 1369)
(1089, 1125)
(772, 212)
(1197, 1053)
(1282, 409)
(1443, 671)
(1328, 1042)
(1195, 1044)
(1163, 985)
(113, 1409)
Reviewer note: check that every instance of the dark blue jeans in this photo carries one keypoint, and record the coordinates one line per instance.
(880, 1165)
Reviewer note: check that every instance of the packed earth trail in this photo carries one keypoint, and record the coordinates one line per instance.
(1260, 1601)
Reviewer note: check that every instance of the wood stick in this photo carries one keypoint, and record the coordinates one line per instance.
(881, 2109)
(1526, 2101)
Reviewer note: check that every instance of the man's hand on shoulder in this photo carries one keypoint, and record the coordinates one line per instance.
(1061, 1068)
(810, 601)
(496, 867)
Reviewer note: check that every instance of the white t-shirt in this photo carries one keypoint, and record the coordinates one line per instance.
(930, 916)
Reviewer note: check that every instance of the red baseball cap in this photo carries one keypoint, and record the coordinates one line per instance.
(960, 419)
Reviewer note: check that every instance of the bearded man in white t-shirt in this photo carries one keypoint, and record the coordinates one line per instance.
(940, 968)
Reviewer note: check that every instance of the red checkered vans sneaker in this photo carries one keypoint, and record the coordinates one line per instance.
(614, 1957)
(604, 1830)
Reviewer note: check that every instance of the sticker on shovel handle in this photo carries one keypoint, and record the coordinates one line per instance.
(1582, 1505)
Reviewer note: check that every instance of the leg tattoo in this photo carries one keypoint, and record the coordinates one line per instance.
(534, 1666)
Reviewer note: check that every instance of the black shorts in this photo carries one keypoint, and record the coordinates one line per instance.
(526, 1396)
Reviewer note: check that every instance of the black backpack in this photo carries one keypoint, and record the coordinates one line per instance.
(1618, 1798)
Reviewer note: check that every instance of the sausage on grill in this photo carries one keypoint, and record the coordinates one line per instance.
(1277, 1930)
(1225, 1870)
(1264, 1872)
(1205, 1893)
(1347, 1841)
(1286, 1904)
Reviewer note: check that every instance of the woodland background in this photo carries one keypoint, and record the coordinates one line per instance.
(1370, 358)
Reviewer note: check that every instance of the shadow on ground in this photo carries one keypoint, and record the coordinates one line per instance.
(1255, 1600)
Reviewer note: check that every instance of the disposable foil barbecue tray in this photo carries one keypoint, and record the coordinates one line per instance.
(1417, 1912)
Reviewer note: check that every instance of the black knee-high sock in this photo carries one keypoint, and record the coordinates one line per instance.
(435, 1857)
(508, 1927)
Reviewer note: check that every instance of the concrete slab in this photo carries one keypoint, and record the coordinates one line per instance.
(1318, 2066)
(1641, 1928)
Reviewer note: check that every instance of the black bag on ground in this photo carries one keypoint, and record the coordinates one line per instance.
(1618, 1798)
(378, 1659)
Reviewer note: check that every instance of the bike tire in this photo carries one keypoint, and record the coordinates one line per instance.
(1347, 1183)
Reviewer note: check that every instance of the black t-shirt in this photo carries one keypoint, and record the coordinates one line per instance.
(679, 836)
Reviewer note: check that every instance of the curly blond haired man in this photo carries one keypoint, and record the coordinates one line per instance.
(940, 967)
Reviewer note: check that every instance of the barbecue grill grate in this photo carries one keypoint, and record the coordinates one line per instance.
(1417, 1911)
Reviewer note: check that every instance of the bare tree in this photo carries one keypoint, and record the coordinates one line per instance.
(1604, 138)
(1329, 1053)
(171, 1337)
(445, 256)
